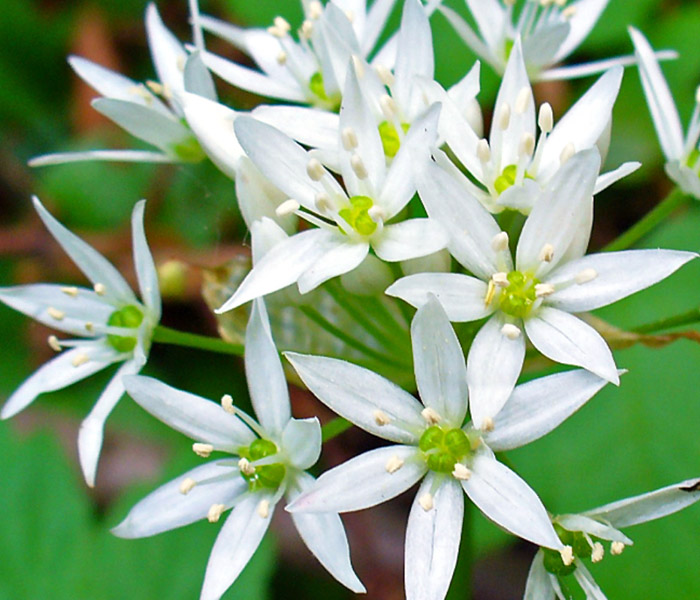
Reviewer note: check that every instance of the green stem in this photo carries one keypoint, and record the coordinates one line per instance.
(656, 216)
(165, 335)
(334, 428)
(686, 318)
(461, 586)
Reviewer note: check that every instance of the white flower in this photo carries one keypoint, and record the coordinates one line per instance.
(433, 445)
(549, 279)
(682, 155)
(136, 107)
(118, 328)
(550, 31)
(585, 533)
(269, 462)
(349, 222)
(511, 167)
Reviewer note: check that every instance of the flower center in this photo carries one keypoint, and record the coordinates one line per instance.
(507, 178)
(443, 448)
(518, 297)
(264, 476)
(580, 546)
(130, 317)
(357, 215)
(318, 89)
(391, 142)
(189, 150)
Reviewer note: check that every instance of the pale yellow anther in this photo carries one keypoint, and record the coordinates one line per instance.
(350, 15)
(245, 467)
(504, 116)
(388, 106)
(89, 327)
(568, 151)
(70, 291)
(54, 343)
(263, 509)
(523, 100)
(499, 242)
(323, 203)
(509, 2)
(490, 292)
(546, 2)
(512, 332)
(431, 416)
(282, 58)
(567, 555)
(307, 29)
(100, 289)
(598, 552)
(385, 75)
(547, 253)
(544, 289)
(80, 359)
(215, 511)
(139, 90)
(155, 86)
(545, 119)
(349, 138)
(500, 279)
(56, 314)
(358, 166)
(527, 144)
(288, 207)
(461, 472)
(315, 170)
(359, 67)
(315, 9)
(426, 502)
(560, 2)
(167, 90)
(393, 464)
(227, 404)
(203, 450)
(617, 548)
(282, 23)
(488, 424)
(180, 63)
(187, 485)
(697, 95)
(585, 276)
(381, 418)
(276, 32)
(569, 12)
(483, 151)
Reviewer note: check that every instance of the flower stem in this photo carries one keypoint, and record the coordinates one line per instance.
(656, 216)
(686, 318)
(165, 335)
(334, 428)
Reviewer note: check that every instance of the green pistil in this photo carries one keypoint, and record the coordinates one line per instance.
(443, 448)
(579, 544)
(189, 150)
(318, 89)
(265, 476)
(391, 142)
(357, 216)
(519, 296)
(507, 179)
(129, 317)
(693, 159)
(509, 48)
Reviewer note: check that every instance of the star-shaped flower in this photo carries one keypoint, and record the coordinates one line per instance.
(268, 463)
(432, 444)
(118, 328)
(537, 292)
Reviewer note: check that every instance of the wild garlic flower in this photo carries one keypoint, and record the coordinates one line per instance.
(350, 219)
(118, 328)
(682, 155)
(137, 108)
(586, 532)
(268, 463)
(539, 290)
(432, 444)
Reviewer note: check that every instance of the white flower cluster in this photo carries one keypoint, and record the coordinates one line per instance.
(374, 163)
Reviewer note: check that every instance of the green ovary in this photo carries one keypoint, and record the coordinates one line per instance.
(318, 89)
(265, 476)
(507, 179)
(129, 317)
(391, 142)
(579, 544)
(357, 216)
(443, 448)
(189, 150)
(693, 159)
(518, 298)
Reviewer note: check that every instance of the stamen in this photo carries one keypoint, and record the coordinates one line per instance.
(155, 86)
(56, 314)
(245, 467)
(359, 67)
(80, 359)
(349, 138)
(617, 548)
(53, 343)
(139, 90)
(203, 450)
(500, 279)
(504, 116)
(70, 291)
(488, 424)
(287, 207)
(388, 106)
(483, 151)
(547, 253)
(227, 404)
(546, 118)
(544, 289)
(431, 416)
(100, 289)
(214, 512)
(282, 58)
(499, 243)
(315, 170)
(323, 203)
(315, 9)
(522, 101)
(568, 151)
(426, 502)
(307, 29)
(381, 418)
(264, 509)
(527, 144)
(385, 75)
(187, 485)
(512, 332)
(89, 327)
(350, 15)
(567, 555)
(461, 472)
(282, 24)
(358, 166)
(393, 465)
(585, 276)
(490, 292)
(569, 12)
(598, 552)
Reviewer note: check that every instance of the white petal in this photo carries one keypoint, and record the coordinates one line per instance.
(470, 38)
(588, 584)
(361, 396)
(441, 373)
(199, 419)
(61, 158)
(493, 366)
(198, 79)
(687, 179)
(336, 44)
(540, 49)
(166, 51)
(265, 234)
(168, 508)
(537, 407)
(491, 18)
(538, 586)
(324, 535)
(258, 199)
(95, 266)
(410, 239)
(340, 256)
(508, 501)
(143, 261)
(236, 543)
(567, 339)
(432, 540)
(650, 506)
(377, 17)
(618, 274)
(59, 373)
(461, 296)
(607, 179)
(268, 387)
(301, 440)
(582, 21)
(309, 126)
(592, 527)
(363, 481)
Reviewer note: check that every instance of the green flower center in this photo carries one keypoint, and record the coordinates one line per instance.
(443, 448)
(189, 150)
(357, 215)
(692, 159)
(391, 142)
(318, 89)
(581, 548)
(129, 317)
(518, 297)
(507, 178)
(265, 476)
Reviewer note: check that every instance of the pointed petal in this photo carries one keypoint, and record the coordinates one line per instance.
(410, 239)
(377, 17)
(540, 49)
(197, 418)
(312, 127)
(607, 179)
(432, 540)
(510, 502)
(301, 440)
(414, 55)
(593, 528)
(258, 199)
(461, 296)
(471, 39)
(538, 586)
(490, 18)
(143, 261)
(168, 508)
(582, 21)
(263, 368)
(168, 55)
(588, 584)
(324, 535)
(61, 158)
(95, 266)
(341, 256)
(441, 373)
(360, 396)
(236, 543)
(493, 366)
(265, 235)
(537, 407)
(363, 481)
(567, 339)
(198, 79)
